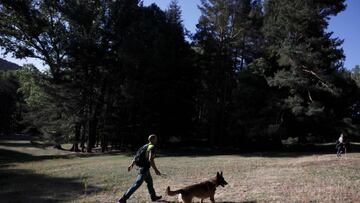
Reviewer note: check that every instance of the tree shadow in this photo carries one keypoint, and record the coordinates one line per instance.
(24, 144)
(166, 201)
(8, 156)
(238, 202)
(294, 151)
(213, 152)
(18, 185)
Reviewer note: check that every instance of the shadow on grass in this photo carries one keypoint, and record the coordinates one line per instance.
(209, 152)
(290, 151)
(10, 156)
(25, 186)
(7, 157)
(284, 152)
(165, 201)
(24, 144)
(10, 152)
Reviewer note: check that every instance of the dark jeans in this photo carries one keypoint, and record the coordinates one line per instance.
(144, 175)
(340, 148)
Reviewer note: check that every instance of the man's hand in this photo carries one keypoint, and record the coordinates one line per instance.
(157, 172)
(152, 163)
(131, 166)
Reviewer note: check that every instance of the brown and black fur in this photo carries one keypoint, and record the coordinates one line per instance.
(201, 190)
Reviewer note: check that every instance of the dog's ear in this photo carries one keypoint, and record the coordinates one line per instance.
(221, 173)
(217, 174)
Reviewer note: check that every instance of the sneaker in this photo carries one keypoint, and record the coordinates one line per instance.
(156, 198)
(122, 200)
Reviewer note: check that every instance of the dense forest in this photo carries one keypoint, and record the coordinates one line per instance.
(254, 73)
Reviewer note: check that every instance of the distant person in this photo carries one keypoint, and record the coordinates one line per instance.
(341, 145)
(144, 158)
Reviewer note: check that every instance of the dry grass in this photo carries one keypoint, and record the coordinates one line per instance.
(30, 173)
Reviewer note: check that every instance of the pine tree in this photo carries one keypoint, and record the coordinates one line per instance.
(355, 74)
(302, 59)
(227, 38)
(173, 13)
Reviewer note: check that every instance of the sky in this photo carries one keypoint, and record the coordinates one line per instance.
(345, 26)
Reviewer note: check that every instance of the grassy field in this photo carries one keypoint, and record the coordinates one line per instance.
(31, 172)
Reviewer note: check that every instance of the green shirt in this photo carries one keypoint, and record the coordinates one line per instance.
(149, 148)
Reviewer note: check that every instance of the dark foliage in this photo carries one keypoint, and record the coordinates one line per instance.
(256, 72)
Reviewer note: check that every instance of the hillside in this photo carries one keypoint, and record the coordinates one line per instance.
(6, 65)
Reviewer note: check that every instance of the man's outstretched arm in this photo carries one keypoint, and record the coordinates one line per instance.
(152, 163)
(131, 165)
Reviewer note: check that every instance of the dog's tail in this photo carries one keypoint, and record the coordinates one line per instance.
(172, 193)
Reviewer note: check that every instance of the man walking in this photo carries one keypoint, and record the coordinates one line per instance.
(340, 145)
(144, 158)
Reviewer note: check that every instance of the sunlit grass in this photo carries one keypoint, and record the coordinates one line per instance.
(35, 174)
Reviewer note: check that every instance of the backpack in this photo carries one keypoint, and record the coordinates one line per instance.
(140, 157)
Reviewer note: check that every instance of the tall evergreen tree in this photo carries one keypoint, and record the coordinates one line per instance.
(173, 13)
(302, 60)
(227, 39)
(355, 74)
(355, 108)
(157, 83)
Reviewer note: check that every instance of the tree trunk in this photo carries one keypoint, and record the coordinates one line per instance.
(213, 124)
(75, 147)
(92, 134)
(83, 135)
(93, 123)
(58, 146)
(104, 143)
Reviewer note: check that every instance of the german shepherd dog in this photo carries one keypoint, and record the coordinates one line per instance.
(201, 190)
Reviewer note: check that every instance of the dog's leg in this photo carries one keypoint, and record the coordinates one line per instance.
(212, 199)
(201, 200)
(345, 151)
(180, 199)
(186, 199)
